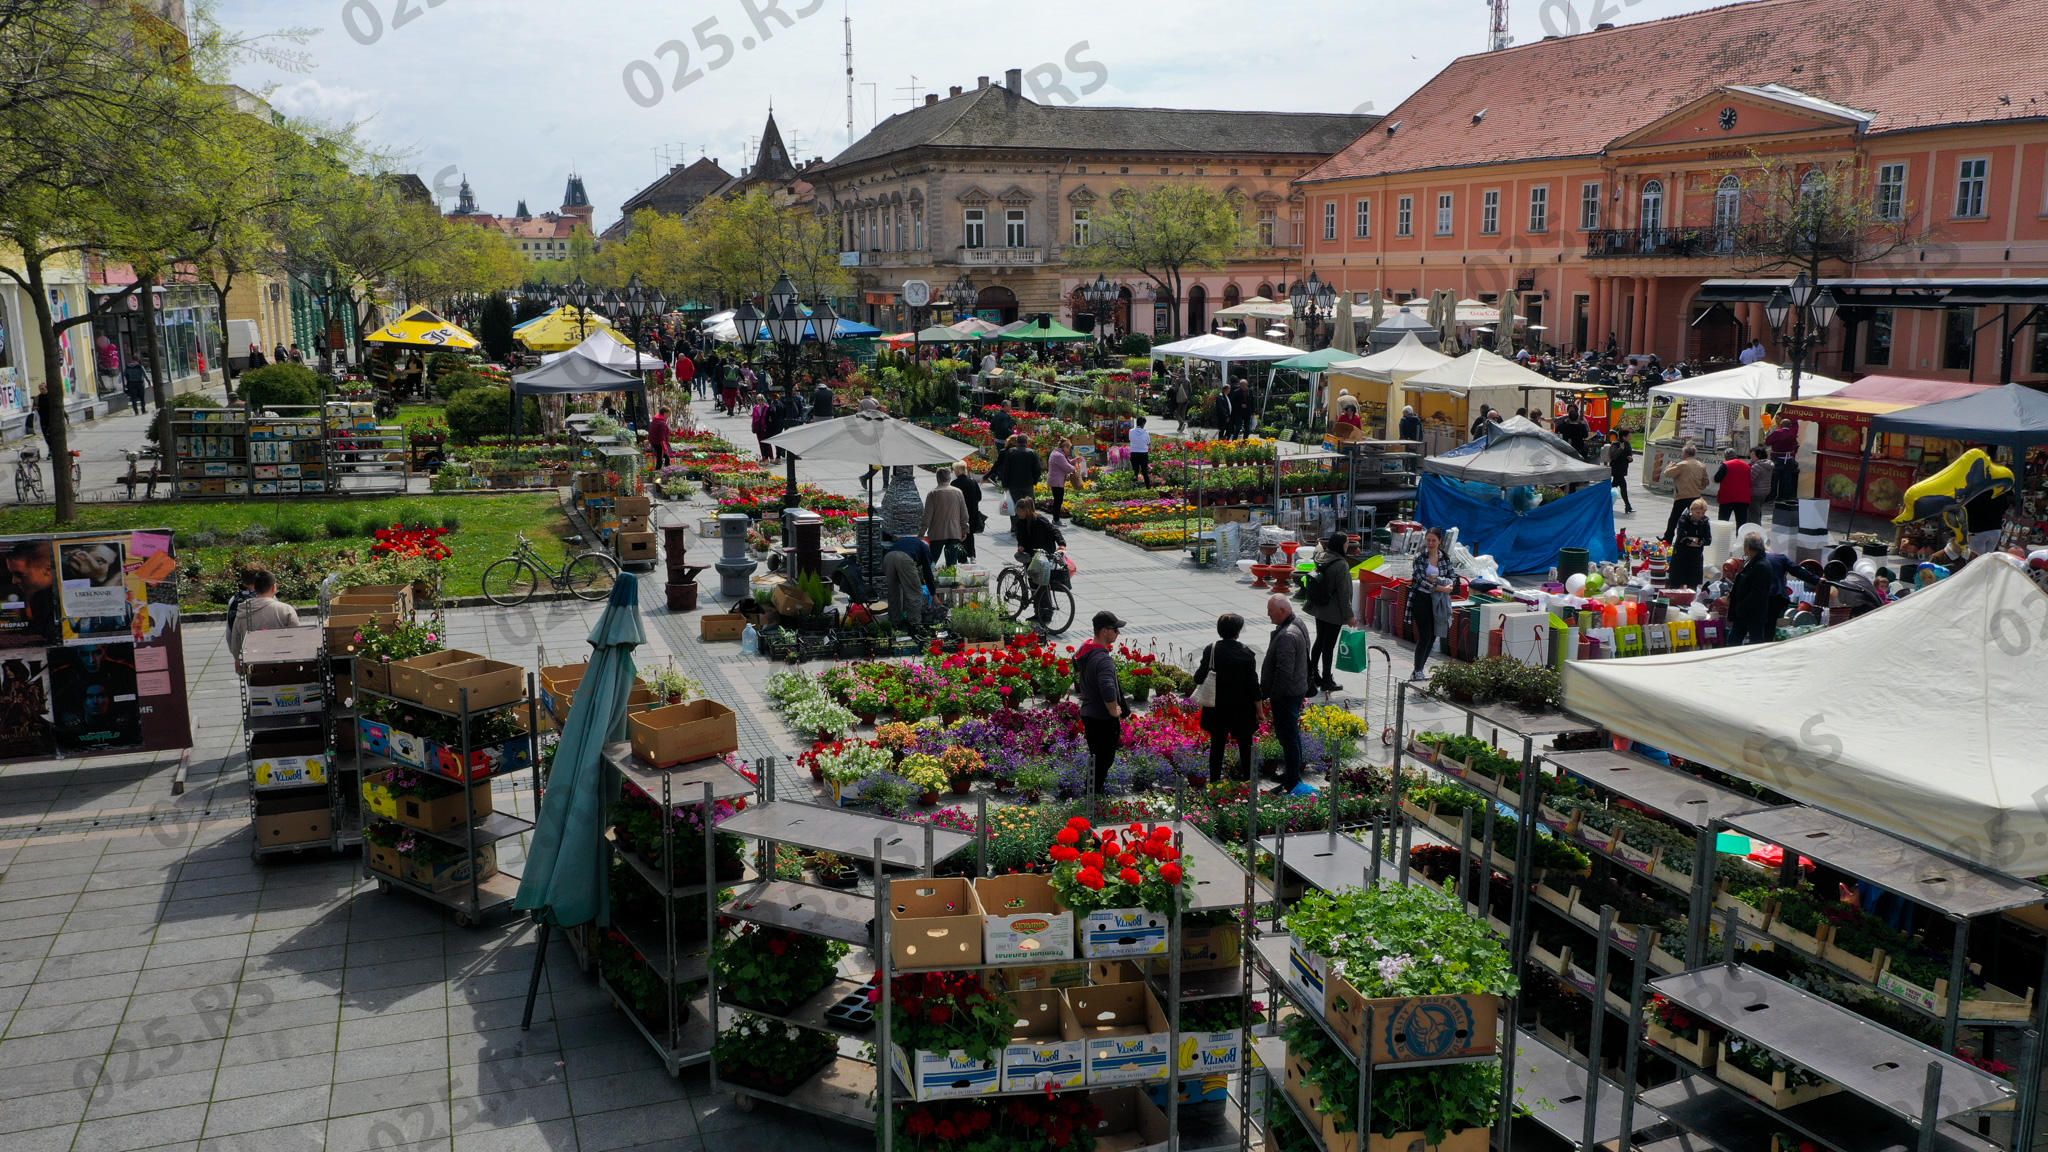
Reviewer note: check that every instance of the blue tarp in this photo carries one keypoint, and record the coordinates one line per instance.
(1517, 542)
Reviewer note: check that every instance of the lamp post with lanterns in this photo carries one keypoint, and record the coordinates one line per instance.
(1314, 304)
(1102, 298)
(630, 306)
(1800, 318)
(787, 318)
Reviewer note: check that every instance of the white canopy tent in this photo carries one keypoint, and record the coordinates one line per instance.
(1189, 346)
(1482, 377)
(1241, 350)
(607, 350)
(1258, 307)
(1925, 718)
(1394, 367)
(1750, 386)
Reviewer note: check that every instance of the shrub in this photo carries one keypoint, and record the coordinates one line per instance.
(451, 522)
(1135, 344)
(254, 534)
(411, 515)
(194, 400)
(486, 411)
(204, 538)
(280, 384)
(293, 531)
(340, 526)
(460, 380)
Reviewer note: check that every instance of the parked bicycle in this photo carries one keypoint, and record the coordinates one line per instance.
(28, 477)
(1019, 586)
(586, 576)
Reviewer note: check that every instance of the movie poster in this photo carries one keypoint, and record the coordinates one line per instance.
(25, 729)
(28, 594)
(95, 582)
(94, 705)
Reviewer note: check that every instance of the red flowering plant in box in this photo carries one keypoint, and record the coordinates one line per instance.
(1063, 1123)
(1134, 866)
(1671, 1016)
(773, 970)
(398, 540)
(948, 1012)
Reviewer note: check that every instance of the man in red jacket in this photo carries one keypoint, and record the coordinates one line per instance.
(1734, 494)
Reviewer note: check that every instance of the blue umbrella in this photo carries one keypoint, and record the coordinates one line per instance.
(567, 865)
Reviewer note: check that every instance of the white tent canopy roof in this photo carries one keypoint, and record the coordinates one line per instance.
(606, 349)
(1750, 385)
(1475, 370)
(1190, 346)
(1247, 348)
(1925, 719)
(1260, 307)
(1403, 360)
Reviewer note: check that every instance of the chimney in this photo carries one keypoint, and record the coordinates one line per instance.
(931, 98)
(1014, 80)
(954, 92)
(981, 82)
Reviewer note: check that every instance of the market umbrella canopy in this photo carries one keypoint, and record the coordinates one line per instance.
(421, 327)
(562, 329)
(1925, 718)
(979, 327)
(943, 334)
(1190, 346)
(871, 436)
(1317, 361)
(1477, 369)
(1260, 308)
(1345, 337)
(573, 374)
(1749, 385)
(1514, 453)
(607, 349)
(1035, 334)
(2013, 415)
(1403, 360)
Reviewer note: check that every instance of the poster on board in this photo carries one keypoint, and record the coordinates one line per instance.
(93, 697)
(25, 729)
(28, 593)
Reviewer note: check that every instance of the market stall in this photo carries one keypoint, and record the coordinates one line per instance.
(564, 328)
(572, 376)
(607, 349)
(1481, 377)
(1472, 489)
(2011, 416)
(1871, 482)
(1393, 367)
(1723, 410)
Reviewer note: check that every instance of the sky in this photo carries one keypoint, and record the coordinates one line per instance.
(519, 93)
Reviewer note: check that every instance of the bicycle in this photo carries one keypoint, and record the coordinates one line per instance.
(1017, 592)
(28, 477)
(586, 576)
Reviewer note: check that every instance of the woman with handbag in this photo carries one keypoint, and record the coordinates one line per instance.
(1329, 601)
(1227, 689)
(1429, 598)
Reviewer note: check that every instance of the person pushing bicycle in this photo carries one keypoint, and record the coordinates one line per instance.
(1036, 534)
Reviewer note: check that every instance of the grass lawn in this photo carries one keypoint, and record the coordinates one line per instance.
(485, 533)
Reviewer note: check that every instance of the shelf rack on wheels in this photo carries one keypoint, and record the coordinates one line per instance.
(295, 798)
(469, 761)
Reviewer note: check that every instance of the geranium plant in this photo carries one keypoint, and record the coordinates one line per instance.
(948, 1012)
(1131, 867)
(773, 969)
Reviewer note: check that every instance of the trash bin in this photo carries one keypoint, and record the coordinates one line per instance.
(1572, 560)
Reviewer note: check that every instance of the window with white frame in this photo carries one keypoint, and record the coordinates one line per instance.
(1269, 223)
(1080, 227)
(1652, 219)
(1404, 216)
(1891, 192)
(1539, 208)
(1329, 220)
(1589, 207)
(977, 228)
(1013, 228)
(1443, 213)
(1971, 177)
(1363, 228)
(1489, 212)
(917, 224)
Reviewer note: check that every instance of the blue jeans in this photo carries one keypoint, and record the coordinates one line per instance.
(1287, 730)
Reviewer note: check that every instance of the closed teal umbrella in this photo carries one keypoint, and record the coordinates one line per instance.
(567, 864)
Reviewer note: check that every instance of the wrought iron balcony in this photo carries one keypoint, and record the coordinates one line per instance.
(1679, 242)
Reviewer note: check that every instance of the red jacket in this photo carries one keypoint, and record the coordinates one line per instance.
(686, 369)
(1734, 477)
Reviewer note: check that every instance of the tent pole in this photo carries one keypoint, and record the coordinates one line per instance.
(540, 961)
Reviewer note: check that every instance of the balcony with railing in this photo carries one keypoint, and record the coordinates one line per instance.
(1000, 257)
(1656, 242)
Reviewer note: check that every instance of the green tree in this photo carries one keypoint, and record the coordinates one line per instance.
(280, 384)
(1161, 232)
(494, 328)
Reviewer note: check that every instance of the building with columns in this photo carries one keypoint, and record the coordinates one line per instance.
(1601, 178)
(989, 184)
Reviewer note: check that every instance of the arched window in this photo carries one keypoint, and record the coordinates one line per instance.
(1653, 206)
(1266, 290)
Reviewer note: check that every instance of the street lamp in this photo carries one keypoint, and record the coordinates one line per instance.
(1808, 310)
(746, 320)
(963, 296)
(1101, 297)
(1314, 302)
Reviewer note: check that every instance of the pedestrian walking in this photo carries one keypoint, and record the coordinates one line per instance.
(1235, 714)
(946, 522)
(1733, 495)
(1689, 546)
(970, 495)
(135, 382)
(1688, 483)
(1102, 699)
(1141, 452)
(1061, 467)
(1021, 470)
(1621, 460)
(1330, 603)
(761, 433)
(1284, 681)
(261, 612)
(1429, 598)
(822, 401)
(657, 439)
(1763, 481)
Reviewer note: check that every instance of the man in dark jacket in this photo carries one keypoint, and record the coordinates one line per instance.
(1411, 424)
(1102, 701)
(821, 402)
(1574, 430)
(906, 573)
(1751, 602)
(1235, 715)
(1037, 533)
(1285, 683)
(976, 522)
(1000, 425)
(1021, 470)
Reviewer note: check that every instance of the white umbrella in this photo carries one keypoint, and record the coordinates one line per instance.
(1345, 338)
(871, 436)
(1446, 302)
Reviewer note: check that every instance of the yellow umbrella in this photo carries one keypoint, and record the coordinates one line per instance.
(421, 328)
(563, 329)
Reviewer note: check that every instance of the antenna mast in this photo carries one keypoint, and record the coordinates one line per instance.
(1497, 36)
(849, 79)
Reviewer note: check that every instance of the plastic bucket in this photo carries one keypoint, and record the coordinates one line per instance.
(1572, 561)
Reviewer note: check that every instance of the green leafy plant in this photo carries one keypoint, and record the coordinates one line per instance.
(770, 1052)
(1402, 941)
(773, 969)
(1763, 1063)
(340, 525)
(949, 1012)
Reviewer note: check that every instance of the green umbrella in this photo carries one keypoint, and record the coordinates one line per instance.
(1052, 332)
(567, 863)
(1317, 361)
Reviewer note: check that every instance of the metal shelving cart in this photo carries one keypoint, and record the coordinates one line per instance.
(367, 459)
(473, 899)
(287, 456)
(210, 451)
(288, 743)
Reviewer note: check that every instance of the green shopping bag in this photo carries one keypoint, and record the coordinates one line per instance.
(1351, 650)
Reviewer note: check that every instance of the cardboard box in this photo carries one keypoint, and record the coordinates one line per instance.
(635, 505)
(1470, 1140)
(1210, 1053)
(341, 630)
(302, 819)
(942, 1075)
(721, 625)
(286, 757)
(385, 860)
(287, 699)
(679, 733)
(447, 874)
(934, 922)
(1115, 972)
(1023, 920)
(1307, 971)
(1413, 1028)
(1122, 932)
(1039, 1052)
(1130, 1122)
(633, 524)
(1036, 978)
(441, 684)
(1202, 1090)
(432, 815)
(1205, 949)
(1303, 1093)
(262, 652)
(1232, 515)
(558, 687)
(1125, 1030)
(634, 547)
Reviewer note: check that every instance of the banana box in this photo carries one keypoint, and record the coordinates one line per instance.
(1039, 1054)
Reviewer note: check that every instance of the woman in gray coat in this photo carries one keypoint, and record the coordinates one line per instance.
(1329, 600)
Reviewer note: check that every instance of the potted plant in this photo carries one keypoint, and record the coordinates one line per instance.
(1460, 682)
(962, 766)
(950, 703)
(774, 969)
(772, 1056)
(927, 774)
(1756, 1071)
(835, 872)
(1672, 1026)
(867, 703)
(844, 765)
(942, 1017)
(671, 686)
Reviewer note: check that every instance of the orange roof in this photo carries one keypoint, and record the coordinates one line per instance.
(1911, 65)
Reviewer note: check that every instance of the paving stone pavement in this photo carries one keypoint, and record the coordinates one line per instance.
(161, 990)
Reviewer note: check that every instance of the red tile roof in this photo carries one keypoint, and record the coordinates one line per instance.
(1915, 65)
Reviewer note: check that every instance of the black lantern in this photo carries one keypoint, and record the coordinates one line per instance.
(747, 319)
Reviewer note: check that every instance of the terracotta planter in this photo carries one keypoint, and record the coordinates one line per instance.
(963, 786)
(867, 718)
(929, 799)
(949, 718)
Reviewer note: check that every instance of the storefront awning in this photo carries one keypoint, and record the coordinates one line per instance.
(1890, 291)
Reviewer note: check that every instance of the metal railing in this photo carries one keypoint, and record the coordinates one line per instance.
(1679, 242)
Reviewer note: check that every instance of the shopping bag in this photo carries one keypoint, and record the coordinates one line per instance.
(1204, 695)
(1005, 506)
(1351, 650)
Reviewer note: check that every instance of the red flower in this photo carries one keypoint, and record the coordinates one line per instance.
(1130, 876)
(1127, 859)
(1079, 824)
(1090, 877)
(1170, 873)
(1167, 852)
(921, 1123)
(1061, 854)
(778, 945)
(940, 1014)
(947, 1131)
(1068, 836)
(1091, 859)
